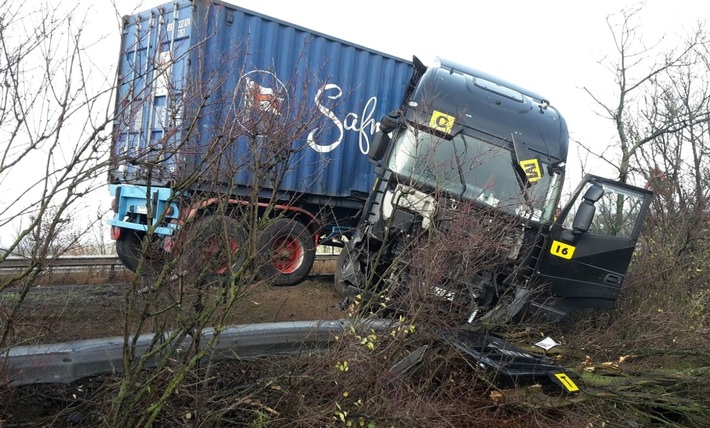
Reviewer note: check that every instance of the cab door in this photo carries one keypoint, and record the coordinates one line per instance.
(587, 254)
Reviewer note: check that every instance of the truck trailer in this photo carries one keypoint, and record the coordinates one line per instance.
(218, 105)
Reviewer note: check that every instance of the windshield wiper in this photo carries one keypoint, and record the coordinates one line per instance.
(459, 167)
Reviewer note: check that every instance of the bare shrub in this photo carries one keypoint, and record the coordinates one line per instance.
(227, 182)
(53, 118)
(660, 116)
(448, 273)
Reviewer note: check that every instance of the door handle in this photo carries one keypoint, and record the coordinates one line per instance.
(613, 279)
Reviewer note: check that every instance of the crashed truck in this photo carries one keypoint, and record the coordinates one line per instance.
(199, 81)
(465, 143)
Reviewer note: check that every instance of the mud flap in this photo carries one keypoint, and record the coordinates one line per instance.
(513, 366)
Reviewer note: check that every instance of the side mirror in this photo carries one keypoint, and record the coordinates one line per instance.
(378, 147)
(585, 213)
(583, 218)
(379, 144)
(390, 122)
(594, 193)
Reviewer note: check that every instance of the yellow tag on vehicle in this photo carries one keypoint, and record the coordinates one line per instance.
(532, 169)
(560, 249)
(567, 382)
(441, 121)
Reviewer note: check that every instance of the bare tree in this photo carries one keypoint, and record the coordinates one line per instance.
(641, 74)
(661, 119)
(58, 230)
(53, 118)
(661, 116)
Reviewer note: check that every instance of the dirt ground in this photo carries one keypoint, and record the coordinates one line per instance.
(56, 314)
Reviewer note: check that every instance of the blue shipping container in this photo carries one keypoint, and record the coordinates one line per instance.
(210, 87)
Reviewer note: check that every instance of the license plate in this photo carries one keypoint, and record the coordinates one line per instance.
(442, 292)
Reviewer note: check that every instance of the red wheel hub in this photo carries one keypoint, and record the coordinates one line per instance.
(234, 247)
(287, 255)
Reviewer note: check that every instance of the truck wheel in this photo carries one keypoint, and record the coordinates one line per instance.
(212, 247)
(287, 251)
(128, 249)
(348, 270)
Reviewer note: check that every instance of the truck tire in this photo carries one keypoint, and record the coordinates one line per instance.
(286, 252)
(128, 249)
(212, 247)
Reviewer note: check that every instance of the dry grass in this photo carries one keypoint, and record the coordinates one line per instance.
(91, 276)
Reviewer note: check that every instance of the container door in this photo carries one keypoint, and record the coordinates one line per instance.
(592, 242)
(150, 96)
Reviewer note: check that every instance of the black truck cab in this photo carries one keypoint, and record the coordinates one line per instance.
(464, 146)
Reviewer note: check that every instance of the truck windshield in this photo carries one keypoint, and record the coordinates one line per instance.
(470, 168)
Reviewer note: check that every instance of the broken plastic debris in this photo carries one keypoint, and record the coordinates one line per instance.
(547, 343)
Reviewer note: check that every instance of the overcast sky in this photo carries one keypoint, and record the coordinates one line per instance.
(552, 47)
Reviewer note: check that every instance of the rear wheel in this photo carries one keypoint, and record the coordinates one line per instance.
(287, 252)
(213, 248)
(129, 246)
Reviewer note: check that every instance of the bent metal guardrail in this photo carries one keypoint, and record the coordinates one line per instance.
(14, 263)
(70, 361)
(78, 262)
